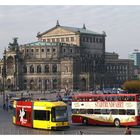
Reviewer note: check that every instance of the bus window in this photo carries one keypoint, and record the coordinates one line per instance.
(105, 111)
(89, 111)
(75, 111)
(130, 112)
(41, 115)
(97, 111)
(114, 111)
(122, 112)
(138, 98)
(59, 114)
(138, 112)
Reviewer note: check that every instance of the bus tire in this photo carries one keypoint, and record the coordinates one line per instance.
(117, 122)
(85, 121)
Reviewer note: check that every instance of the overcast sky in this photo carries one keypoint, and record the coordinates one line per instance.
(121, 23)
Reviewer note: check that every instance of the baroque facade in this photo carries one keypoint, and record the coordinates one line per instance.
(62, 58)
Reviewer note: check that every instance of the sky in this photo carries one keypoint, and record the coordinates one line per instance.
(120, 22)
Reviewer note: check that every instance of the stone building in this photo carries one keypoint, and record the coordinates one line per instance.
(117, 70)
(62, 58)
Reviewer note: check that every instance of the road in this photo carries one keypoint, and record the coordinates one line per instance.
(7, 127)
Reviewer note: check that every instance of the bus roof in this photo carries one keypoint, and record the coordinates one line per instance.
(88, 95)
(49, 103)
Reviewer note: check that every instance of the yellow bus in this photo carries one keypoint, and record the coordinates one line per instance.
(41, 114)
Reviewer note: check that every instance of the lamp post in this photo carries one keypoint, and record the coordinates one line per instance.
(4, 75)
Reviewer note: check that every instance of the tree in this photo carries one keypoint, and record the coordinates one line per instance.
(132, 86)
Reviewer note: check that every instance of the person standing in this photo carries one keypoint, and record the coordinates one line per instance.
(128, 131)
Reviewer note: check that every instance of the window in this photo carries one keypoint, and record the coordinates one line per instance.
(53, 39)
(31, 69)
(37, 50)
(62, 39)
(122, 112)
(89, 111)
(27, 50)
(44, 40)
(105, 111)
(41, 115)
(48, 50)
(130, 112)
(42, 50)
(54, 50)
(67, 39)
(97, 111)
(38, 69)
(71, 50)
(57, 39)
(32, 50)
(54, 68)
(114, 111)
(48, 40)
(64, 50)
(72, 38)
(47, 69)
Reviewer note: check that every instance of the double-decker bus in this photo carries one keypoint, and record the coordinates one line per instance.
(106, 109)
(41, 114)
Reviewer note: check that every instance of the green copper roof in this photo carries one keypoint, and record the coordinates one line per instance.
(81, 30)
(42, 43)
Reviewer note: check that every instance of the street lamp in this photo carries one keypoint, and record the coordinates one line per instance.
(4, 75)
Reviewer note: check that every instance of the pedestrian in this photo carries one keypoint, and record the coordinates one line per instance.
(81, 133)
(4, 106)
(127, 131)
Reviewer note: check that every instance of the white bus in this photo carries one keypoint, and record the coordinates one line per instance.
(106, 109)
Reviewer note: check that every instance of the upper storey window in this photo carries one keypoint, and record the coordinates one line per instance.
(57, 39)
(53, 39)
(48, 40)
(72, 38)
(31, 69)
(62, 39)
(42, 50)
(38, 69)
(67, 39)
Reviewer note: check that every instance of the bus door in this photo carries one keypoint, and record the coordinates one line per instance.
(24, 113)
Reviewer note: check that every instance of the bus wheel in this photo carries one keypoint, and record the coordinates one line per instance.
(85, 121)
(117, 122)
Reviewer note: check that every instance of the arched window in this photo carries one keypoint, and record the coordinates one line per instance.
(38, 69)
(25, 84)
(47, 70)
(54, 68)
(31, 84)
(47, 84)
(54, 83)
(31, 69)
(39, 84)
(24, 69)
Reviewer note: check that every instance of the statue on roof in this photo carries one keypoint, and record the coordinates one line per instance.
(57, 23)
(13, 46)
(84, 26)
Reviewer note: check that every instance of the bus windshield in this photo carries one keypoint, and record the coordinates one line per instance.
(59, 114)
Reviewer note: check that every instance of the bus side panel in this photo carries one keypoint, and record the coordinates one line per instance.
(24, 113)
(77, 119)
(41, 124)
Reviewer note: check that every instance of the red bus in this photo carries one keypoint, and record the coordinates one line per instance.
(106, 109)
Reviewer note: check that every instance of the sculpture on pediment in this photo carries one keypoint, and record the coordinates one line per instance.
(13, 46)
